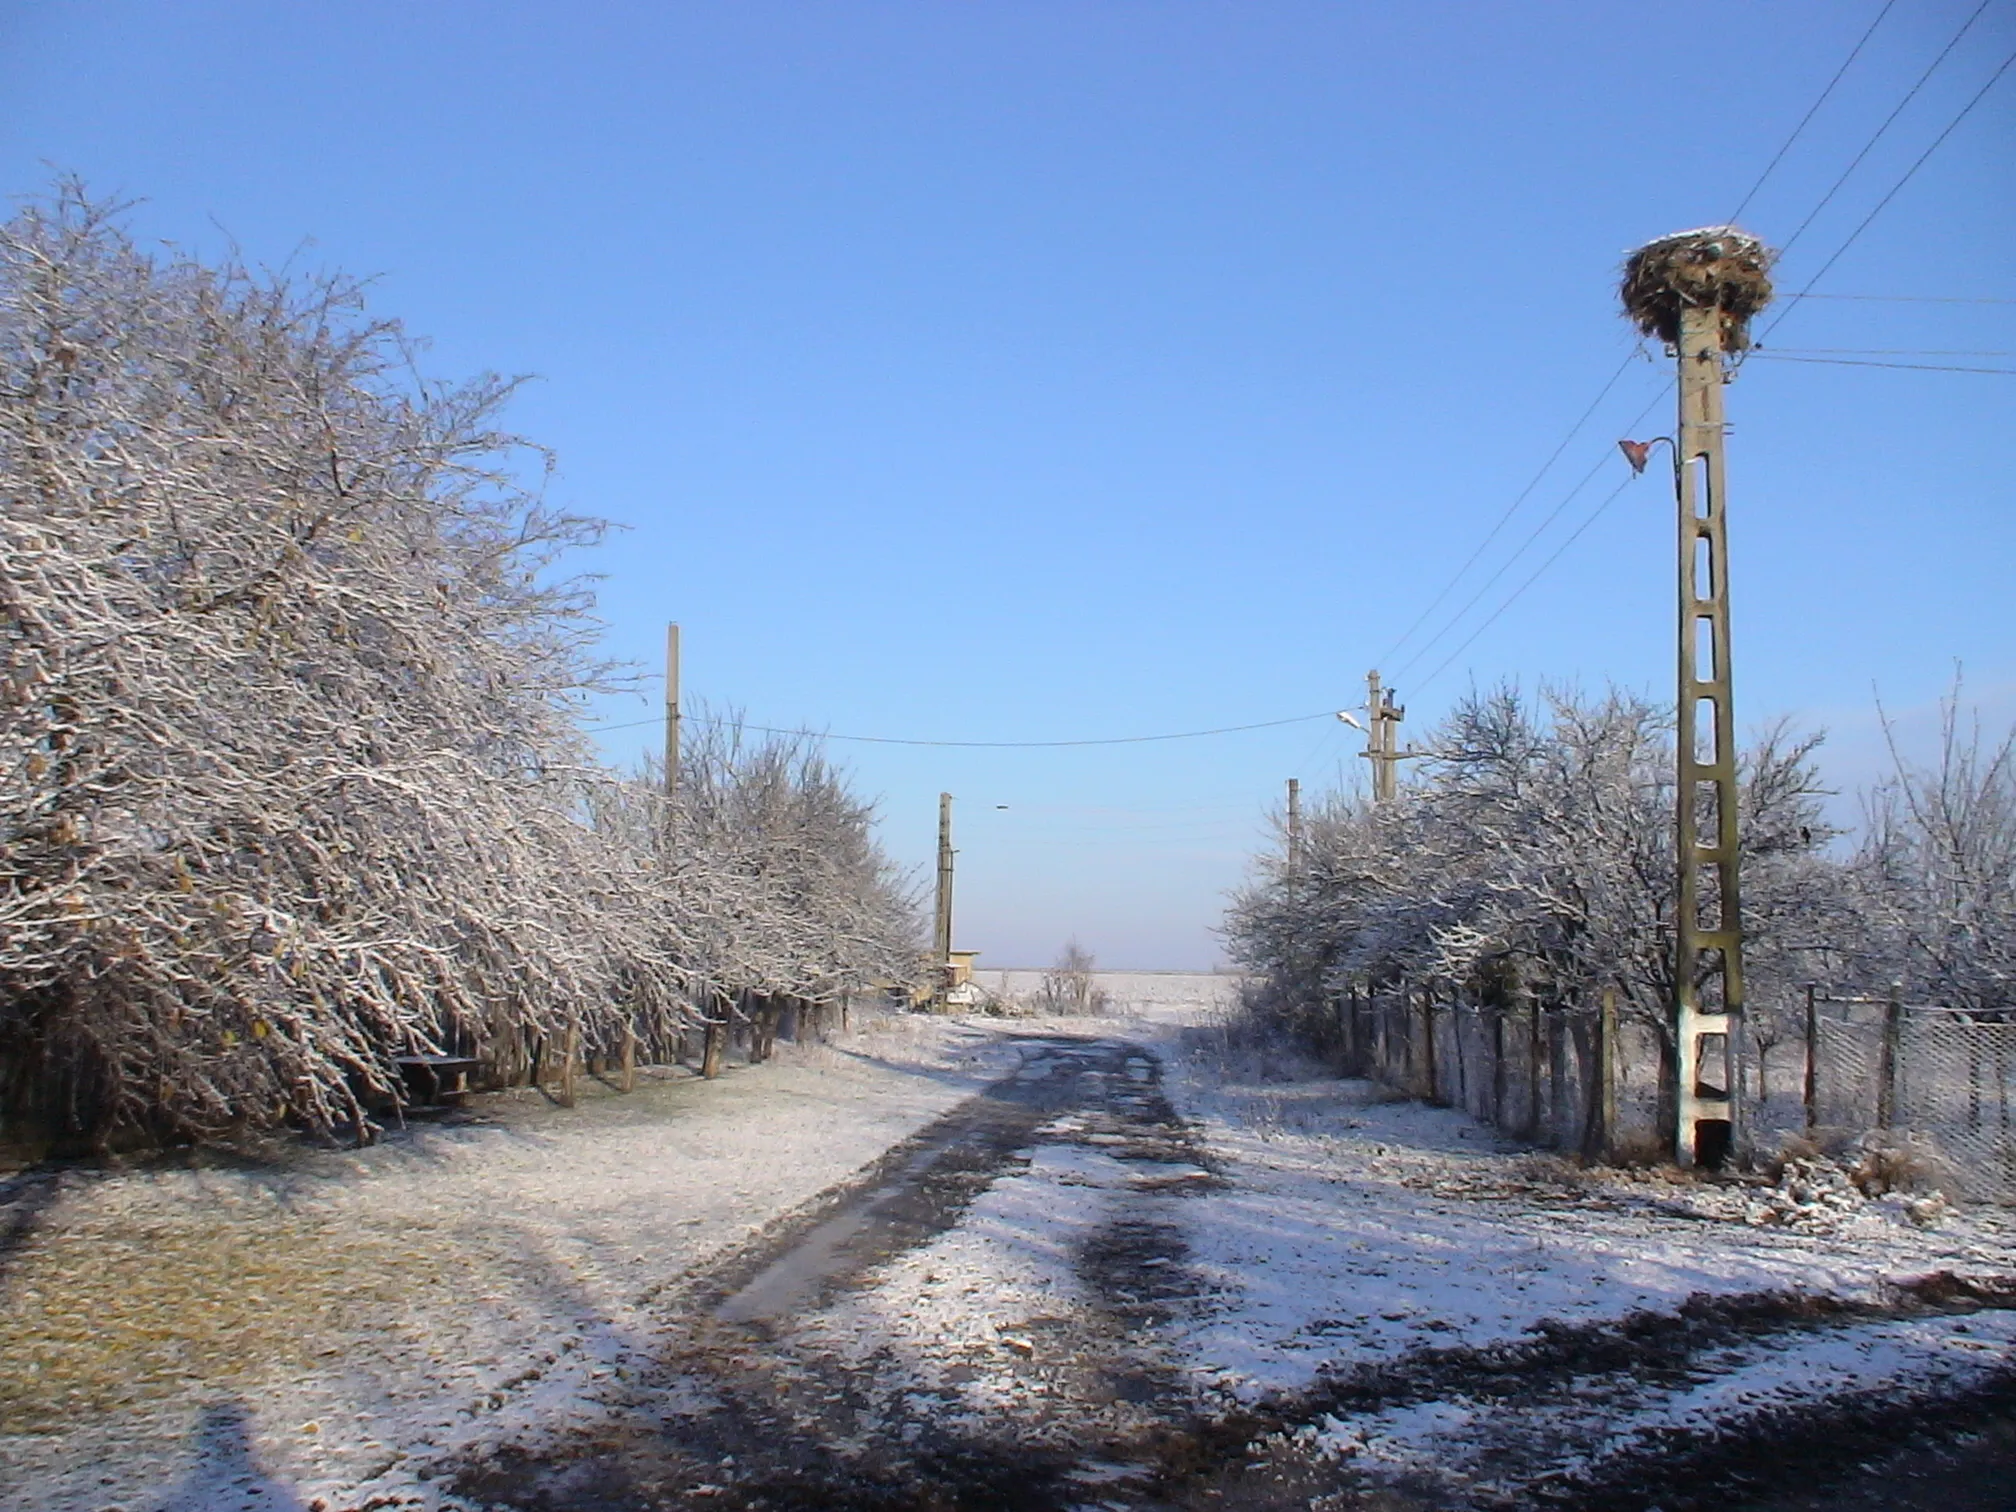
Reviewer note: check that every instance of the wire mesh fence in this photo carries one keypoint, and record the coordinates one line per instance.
(1944, 1077)
(1585, 1079)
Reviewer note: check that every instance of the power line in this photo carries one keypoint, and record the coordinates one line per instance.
(1776, 158)
(1265, 724)
(1510, 510)
(1532, 536)
(1869, 146)
(1887, 352)
(1805, 120)
(1915, 298)
(1914, 367)
(1531, 579)
(1909, 173)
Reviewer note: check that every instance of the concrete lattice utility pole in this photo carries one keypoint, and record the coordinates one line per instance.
(1382, 738)
(1697, 291)
(941, 932)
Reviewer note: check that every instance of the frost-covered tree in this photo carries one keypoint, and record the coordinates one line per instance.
(1937, 871)
(1532, 852)
(781, 888)
(291, 779)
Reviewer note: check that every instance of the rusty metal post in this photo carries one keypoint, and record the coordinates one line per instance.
(1710, 917)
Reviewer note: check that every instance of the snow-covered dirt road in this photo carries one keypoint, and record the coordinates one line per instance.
(1101, 1264)
(1238, 1282)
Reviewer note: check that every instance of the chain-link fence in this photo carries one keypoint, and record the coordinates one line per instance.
(1941, 1076)
(1586, 1079)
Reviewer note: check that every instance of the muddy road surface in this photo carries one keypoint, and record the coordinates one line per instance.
(980, 1323)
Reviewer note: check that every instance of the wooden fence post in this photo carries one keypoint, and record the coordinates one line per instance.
(630, 1056)
(1428, 1041)
(1533, 1041)
(570, 1052)
(1556, 1076)
(1498, 1063)
(1456, 1044)
(1810, 1093)
(1606, 1070)
(1408, 1079)
(1886, 1087)
(714, 1037)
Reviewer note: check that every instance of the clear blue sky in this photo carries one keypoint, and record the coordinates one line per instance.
(1023, 370)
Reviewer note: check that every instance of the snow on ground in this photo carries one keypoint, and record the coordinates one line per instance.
(1352, 1227)
(958, 1317)
(1373, 1249)
(1499, 1447)
(257, 1334)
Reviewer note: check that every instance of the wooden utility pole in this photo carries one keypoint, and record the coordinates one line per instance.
(1711, 921)
(1382, 738)
(1294, 833)
(671, 725)
(941, 935)
(670, 838)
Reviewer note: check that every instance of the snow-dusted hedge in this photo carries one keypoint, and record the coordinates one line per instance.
(290, 774)
(1532, 854)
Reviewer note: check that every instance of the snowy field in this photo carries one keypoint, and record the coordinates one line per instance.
(1193, 997)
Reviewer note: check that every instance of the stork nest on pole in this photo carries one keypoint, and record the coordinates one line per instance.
(1715, 267)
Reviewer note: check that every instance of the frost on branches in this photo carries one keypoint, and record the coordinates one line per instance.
(290, 775)
(1533, 854)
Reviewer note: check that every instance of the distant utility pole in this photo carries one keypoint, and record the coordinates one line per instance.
(1697, 291)
(671, 733)
(1382, 738)
(941, 935)
(1294, 832)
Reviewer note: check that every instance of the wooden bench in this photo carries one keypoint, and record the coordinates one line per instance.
(441, 1078)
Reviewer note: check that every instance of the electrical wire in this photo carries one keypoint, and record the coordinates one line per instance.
(1776, 158)
(1562, 446)
(1510, 510)
(1915, 298)
(1607, 458)
(1887, 352)
(1531, 579)
(1909, 173)
(1112, 740)
(1913, 367)
(1812, 110)
(1869, 146)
